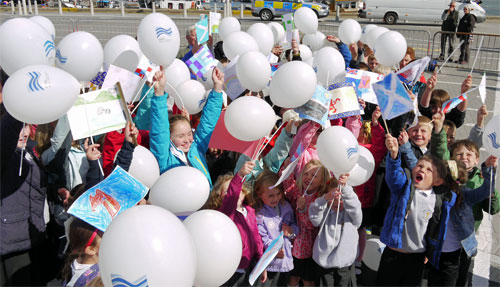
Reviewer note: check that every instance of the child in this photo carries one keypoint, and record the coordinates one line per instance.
(336, 246)
(451, 131)
(416, 211)
(275, 215)
(243, 216)
(419, 137)
(310, 183)
(82, 264)
(172, 140)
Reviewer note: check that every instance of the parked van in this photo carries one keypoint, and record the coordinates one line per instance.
(416, 10)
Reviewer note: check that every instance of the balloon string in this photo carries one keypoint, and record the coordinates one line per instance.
(145, 96)
(312, 179)
(449, 57)
(265, 145)
(23, 145)
(178, 96)
(336, 220)
(143, 82)
(90, 132)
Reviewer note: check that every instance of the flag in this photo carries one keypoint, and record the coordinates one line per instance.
(129, 81)
(393, 99)
(482, 89)
(202, 30)
(411, 72)
(146, 68)
(452, 103)
(287, 21)
(97, 81)
(266, 258)
(232, 85)
(99, 205)
(316, 109)
(214, 22)
(201, 62)
(344, 102)
(362, 82)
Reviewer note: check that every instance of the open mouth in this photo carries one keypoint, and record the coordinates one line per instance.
(419, 178)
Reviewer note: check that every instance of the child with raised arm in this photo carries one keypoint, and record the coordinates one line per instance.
(336, 246)
(172, 140)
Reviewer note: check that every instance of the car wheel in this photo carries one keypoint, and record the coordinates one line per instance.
(390, 18)
(266, 15)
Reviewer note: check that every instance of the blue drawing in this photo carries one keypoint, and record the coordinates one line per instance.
(119, 281)
(34, 85)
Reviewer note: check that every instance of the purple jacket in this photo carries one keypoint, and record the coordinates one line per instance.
(269, 224)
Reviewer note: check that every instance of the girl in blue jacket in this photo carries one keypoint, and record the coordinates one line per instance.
(172, 141)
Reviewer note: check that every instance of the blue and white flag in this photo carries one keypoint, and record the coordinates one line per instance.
(316, 109)
(202, 29)
(412, 72)
(392, 97)
(103, 202)
(266, 258)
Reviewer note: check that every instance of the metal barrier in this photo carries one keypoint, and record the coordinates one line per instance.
(489, 53)
(63, 25)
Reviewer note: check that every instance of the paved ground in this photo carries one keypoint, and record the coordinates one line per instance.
(487, 263)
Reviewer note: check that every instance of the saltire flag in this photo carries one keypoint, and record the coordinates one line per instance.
(362, 82)
(99, 205)
(202, 61)
(453, 103)
(482, 89)
(411, 72)
(268, 256)
(202, 29)
(393, 98)
(344, 101)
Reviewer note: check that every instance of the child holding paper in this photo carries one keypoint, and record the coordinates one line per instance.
(336, 246)
(275, 215)
(172, 140)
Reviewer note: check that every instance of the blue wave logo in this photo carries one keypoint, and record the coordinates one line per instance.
(493, 138)
(34, 85)
(119, 281)
(49, 46)
(202, 101)
(163, 31)
(60, 57)
(351, 151)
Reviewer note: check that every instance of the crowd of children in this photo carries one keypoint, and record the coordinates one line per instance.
(425, 198)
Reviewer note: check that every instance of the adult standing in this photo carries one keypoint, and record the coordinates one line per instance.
(450, 21)
(466, 25)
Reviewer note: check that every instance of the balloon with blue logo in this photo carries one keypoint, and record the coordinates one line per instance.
(80, 54)
(191, 96)
(40, 94)
(24, 42)
(46, 24)
(491, 136)
(147, 245)
(338, 149)
(363, 169)
(158, 38)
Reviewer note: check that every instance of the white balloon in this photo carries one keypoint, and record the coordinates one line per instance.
(491, 136)
(373, 34)
(306, 20)
(264, 37)
(23, 43)
(122, 51)
(206, 80)
(365, 30)
(249, 118)
(390, 48)
(278, 31)
(315, 41)
(349, 31)
(80, 54)
(253, 71)
(218, 246)
(40, 94)
(176, 74)
(293, 84)
(363, 169)
(144, 166)
(373, 252)
(227, 26)
(338, 149)
(328, 64)
(158, 38)
(191, 96)
(180, 190)
(46, 24)
(238, 43)
(305, 53)
(147, 244)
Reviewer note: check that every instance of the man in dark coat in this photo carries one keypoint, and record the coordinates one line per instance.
(466, 25)
(450, 21)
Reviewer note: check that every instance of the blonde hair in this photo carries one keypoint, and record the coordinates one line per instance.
(383, 70)
(323, 171)
(269, 178)
(215, 199)
(366, 132)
